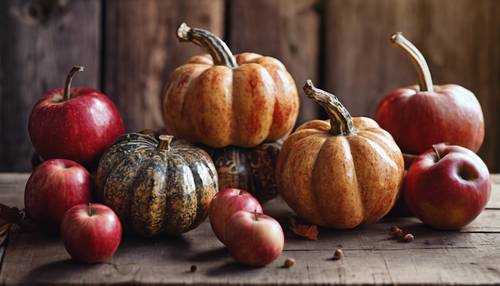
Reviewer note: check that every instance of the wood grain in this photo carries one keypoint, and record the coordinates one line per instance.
(460, 40)
(39, 43)
(287, 30)
(469, 257)
(142, 50)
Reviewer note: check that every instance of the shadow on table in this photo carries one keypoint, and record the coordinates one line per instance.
(232, 268)
(51, 272)
(210, 255)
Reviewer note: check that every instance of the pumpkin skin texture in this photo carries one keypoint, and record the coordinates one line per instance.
(250, 169)
(156, 186)
(421, 116)
(221, 99)
(339, 173)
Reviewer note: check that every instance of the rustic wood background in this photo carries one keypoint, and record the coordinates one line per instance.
(129, 48)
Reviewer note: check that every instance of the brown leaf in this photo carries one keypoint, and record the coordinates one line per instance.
(303, 229)
(12, 215)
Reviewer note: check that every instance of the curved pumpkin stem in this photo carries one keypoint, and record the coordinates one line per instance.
(340, 119)
(220, 52)
(418, 60)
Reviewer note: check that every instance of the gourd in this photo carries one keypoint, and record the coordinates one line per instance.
(221, 99)
(339, 173)
(251, 169)
(156, 185)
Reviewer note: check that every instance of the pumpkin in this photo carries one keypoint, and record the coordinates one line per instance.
(221, 99)
(339, 173)
(156, 185)
(251, 169)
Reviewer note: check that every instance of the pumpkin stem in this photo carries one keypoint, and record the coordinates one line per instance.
(340, 119)
(165, 141)
(69, 78)
(220, 52)
(418, 60)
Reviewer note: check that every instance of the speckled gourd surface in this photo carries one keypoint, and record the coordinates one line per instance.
(250, 169)
(156, 186)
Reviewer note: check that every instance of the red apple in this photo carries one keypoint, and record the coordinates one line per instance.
(74, 123)
(91, 232)
(225, 203)
(254, 239)
(53, 188)
(420, 116)
(447, 187)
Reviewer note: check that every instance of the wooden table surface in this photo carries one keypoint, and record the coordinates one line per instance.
(469, 256)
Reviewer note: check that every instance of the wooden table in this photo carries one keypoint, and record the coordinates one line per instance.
(469, 256)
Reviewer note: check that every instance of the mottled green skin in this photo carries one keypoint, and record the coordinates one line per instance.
(251, 169)
(155, 190)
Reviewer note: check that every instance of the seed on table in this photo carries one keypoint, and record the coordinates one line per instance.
(289, 262)
(193, 268)
(338, 254)
(407, 238)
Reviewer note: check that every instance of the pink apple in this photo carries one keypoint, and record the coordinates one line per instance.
(74, 123)
(53, 188)
(91, 232)
(447, 187)
(254, 239)
(225, 203)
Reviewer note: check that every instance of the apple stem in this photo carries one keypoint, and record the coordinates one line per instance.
(340, 119)
(91, 213)
(418, 60)
(165, 141)
(69, 78)
(436, 151)
(220, 52)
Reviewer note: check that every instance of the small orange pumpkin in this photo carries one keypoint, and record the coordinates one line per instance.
(221, 99)
(339, 173)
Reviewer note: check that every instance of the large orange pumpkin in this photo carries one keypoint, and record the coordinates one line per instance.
(221, 99)
(339, 173)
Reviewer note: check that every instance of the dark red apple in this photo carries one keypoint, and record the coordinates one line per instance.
(447, 187)
(254, 239)
(420, 116)
(53, 188)
(225, 203)
(91, 232)
(74, 123)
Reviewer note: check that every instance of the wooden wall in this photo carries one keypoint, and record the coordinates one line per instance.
(129, 48)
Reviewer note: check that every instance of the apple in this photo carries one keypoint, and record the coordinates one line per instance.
(253, 238)
(447, 187)
(74, 123)
(420, 116)
(225, 203)
(53, 188)
(91, 232)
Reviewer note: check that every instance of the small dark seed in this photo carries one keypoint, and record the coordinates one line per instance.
(338, 254)
(407, 238)
(193, 268)
(289, 262)
(396, 231)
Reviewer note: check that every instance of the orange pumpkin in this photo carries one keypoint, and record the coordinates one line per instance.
(221, 99)
(339, 173)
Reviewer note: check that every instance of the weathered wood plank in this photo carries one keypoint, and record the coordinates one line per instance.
(40, 42)
(459, 38)
(287, 30)
(142, 50)
(471, 256)
(463, 258)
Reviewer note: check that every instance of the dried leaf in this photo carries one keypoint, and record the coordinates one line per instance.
(302, 229)
(12, 215)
